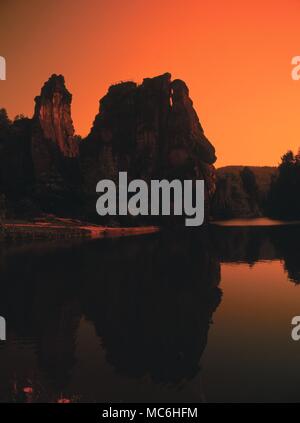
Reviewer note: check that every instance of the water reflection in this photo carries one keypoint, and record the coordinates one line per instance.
(150, 300)
(252, 244)
(123, 319)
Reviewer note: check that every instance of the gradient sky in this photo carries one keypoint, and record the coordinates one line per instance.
(234, 56)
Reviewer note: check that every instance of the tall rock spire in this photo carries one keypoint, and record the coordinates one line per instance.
(54, 147)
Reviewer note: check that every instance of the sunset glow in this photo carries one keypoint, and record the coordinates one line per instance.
(234, 56)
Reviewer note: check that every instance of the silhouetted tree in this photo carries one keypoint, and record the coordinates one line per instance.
(4, 120)
(284, 199)
(230, 199)
(5, 125)
(249, 181)
(250, 186)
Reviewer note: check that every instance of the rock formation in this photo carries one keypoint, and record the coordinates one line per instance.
(53, 112)
(54, 147)
(149, 130)
(53, 131)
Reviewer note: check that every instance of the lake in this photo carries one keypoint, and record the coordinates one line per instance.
(179, 316)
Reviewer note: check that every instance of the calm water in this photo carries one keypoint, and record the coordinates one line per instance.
(193, 316)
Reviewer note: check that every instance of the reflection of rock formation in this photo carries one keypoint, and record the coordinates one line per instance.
(153, 309)
(41, 306)
(151, 300)
(57, 343)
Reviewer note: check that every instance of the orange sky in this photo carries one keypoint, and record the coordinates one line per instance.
(235, 58)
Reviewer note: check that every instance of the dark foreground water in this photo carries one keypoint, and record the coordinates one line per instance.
(188, 317)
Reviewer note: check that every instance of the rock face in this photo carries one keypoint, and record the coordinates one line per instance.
(53, 116)
(54, 147)
(151, 131)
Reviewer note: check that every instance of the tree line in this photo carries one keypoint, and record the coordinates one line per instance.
(244, 194)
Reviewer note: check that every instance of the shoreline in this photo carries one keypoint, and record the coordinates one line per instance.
(52, 228)
(56, 228)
